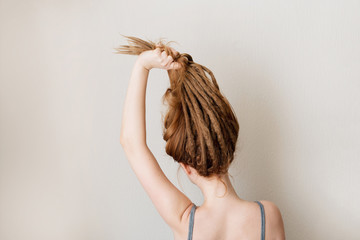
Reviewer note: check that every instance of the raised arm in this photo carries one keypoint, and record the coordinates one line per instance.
(168, 200)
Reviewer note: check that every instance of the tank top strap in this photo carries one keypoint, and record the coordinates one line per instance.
(191, 222)
(262, 219)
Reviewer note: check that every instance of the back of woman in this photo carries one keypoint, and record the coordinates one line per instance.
(201, 131)
(238, 220)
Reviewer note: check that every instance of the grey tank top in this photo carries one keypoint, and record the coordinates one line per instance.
(192, 213)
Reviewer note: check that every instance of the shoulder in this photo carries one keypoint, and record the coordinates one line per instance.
(180, 231)
(274, 225)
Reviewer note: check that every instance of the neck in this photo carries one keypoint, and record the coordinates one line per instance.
(214, 191)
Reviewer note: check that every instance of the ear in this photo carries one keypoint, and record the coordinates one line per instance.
(186, 168)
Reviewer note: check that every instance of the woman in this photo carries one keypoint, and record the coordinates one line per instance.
(200, 130)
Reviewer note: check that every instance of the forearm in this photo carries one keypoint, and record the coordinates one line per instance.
(133, 126)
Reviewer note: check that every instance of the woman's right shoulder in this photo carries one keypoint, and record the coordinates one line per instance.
(274, 224)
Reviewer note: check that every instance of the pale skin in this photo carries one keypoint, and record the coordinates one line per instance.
(223, 215)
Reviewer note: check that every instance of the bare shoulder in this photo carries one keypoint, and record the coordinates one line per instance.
(274, 225)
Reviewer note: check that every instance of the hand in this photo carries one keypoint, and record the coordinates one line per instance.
(158, 59)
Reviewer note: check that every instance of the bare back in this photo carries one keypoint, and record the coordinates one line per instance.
(234, 221)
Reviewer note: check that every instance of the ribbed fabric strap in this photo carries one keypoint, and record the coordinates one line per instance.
(262, 220)
(191, 222)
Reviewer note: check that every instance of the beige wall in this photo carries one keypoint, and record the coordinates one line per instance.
(291, 70)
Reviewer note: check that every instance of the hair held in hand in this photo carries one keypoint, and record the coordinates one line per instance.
(200, 127)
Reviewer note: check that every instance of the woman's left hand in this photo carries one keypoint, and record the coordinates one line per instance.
(158, 59)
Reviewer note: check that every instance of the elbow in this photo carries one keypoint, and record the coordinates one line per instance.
(123, 140)
(126, 141)
(131, 143)
(125, 144)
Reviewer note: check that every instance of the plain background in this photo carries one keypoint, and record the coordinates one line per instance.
(290, 69)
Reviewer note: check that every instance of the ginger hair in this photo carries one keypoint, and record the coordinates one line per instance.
(200, 127)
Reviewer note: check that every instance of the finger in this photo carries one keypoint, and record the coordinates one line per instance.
(157, 51)
(163, 55)
(169, 60)
(174, 51)
(163, 59)
(174, 65)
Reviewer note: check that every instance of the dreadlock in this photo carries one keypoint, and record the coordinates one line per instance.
(200, 127)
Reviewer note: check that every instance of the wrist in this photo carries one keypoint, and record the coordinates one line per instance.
(140, 64)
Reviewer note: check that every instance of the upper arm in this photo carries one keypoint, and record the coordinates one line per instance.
(169, 201)
(274, 225)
